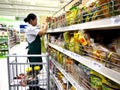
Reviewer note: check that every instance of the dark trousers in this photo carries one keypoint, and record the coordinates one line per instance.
(35, 88)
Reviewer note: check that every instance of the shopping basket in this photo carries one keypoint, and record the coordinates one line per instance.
(21, 75)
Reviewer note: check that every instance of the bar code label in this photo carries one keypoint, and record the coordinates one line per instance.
(116, 20)
(96, 65)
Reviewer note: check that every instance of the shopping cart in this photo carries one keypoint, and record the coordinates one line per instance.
(21, 77)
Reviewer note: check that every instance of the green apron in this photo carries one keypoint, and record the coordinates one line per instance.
(35, 48)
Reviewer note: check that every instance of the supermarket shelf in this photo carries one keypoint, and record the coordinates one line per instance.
(57, 82)
(107, 23)
(109, 73)
(67, 76)
(3, 28)
(3, 49)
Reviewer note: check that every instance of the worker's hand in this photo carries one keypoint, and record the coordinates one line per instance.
(48, 19)
(45, 25)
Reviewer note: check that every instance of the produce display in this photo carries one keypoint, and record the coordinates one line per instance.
(3, 43)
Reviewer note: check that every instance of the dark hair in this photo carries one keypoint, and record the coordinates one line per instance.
(29, 17)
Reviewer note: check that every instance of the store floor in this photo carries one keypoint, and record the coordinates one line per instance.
(19, 50)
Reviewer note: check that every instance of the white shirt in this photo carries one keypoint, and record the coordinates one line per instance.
(31, 32)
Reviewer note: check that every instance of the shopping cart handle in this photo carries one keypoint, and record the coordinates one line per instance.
(30, 55)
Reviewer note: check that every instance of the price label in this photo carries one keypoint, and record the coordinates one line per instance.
(72, 54)
(61, 70)
(116, 20)
(77, 56)
(73, 27)
(96, 65)
(59, 48)
(64, 50)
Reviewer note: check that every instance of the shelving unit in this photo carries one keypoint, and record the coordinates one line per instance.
(105, 24)
(13, 38)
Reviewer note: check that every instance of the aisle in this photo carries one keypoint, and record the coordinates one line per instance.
(19, 49)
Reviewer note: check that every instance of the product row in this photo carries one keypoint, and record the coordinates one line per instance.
(98, 9)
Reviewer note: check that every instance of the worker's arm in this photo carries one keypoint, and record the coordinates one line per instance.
(43, 30)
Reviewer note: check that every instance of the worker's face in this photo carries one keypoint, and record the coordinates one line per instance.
(33, 22)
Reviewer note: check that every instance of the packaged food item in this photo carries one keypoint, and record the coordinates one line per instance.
(64, 83)
(63, 21)
(82, 39)
(72, 88)
(116, 7)
(66, 36)
(69, 65)
(65, 62)
(49, 19)
(79, 18)
(71, 44)
(108, 84)
(71, 15)
(77, 46)
(75, 73)
(67, 16)
(29, 71)
(95, 80)
(106, 7)
(61, 58)
(37, 69)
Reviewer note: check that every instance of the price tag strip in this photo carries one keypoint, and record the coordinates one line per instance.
(96, 65)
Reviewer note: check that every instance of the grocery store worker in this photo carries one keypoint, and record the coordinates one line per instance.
(33, 34)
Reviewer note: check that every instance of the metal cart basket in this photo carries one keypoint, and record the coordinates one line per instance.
(21, 75)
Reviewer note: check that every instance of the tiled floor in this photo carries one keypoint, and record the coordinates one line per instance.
(19, 50)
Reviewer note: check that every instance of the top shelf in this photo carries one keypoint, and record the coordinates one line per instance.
(103, 24)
